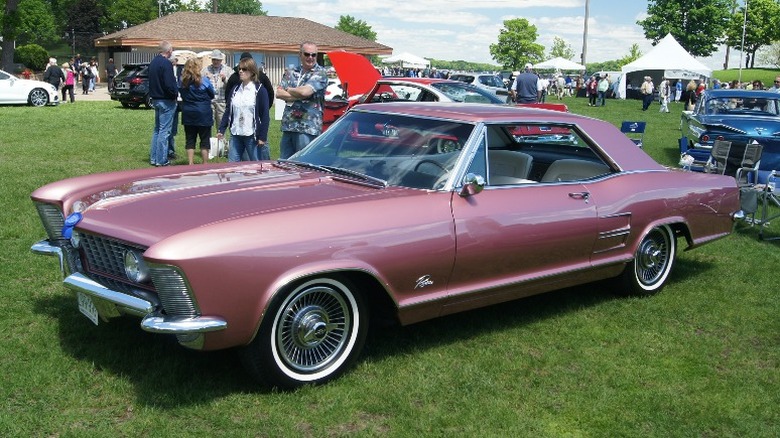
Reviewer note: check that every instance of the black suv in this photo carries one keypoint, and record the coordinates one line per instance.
(131, 86)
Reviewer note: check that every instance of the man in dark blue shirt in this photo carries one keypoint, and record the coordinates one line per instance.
(526, 86)
(163, 90)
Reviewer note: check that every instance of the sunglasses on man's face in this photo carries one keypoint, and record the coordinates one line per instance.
(309, 55)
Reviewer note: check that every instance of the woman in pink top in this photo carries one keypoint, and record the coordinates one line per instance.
(70, 80)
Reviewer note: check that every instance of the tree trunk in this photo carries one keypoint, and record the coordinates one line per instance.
(9, 35)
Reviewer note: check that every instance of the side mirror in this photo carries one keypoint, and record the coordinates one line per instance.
(472, 184)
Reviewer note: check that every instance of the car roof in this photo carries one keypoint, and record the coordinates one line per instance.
(612, 141)
(469, 112)
(736, 92)
(423, 81)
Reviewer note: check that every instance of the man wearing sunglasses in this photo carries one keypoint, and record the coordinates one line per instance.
(304, 94)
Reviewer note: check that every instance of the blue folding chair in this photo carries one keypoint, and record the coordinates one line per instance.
(634, 131)
(700, 156)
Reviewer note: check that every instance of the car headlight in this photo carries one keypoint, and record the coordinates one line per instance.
(135, 267)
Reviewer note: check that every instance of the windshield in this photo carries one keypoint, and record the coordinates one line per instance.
(400, 150)
(460, 92)
(742, 105)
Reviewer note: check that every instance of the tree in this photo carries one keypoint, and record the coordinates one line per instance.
(761, 28)
(561, 49)
(84, 17)
(32, 56)
(771, 55)
(242, 7)
(633, 54)
(355, 27)
(10, 20)
(36, 23)
(698, 25)
(122, 14)
(517, 45)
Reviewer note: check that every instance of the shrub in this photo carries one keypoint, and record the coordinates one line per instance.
(32, 56)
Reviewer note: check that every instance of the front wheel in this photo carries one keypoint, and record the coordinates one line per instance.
(38, 97)
(310, 335)
(653, 260)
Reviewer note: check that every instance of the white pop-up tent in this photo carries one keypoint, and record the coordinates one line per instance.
(559, 63)
(667, 59)
(407, 60)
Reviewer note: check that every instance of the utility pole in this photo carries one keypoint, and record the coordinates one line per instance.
(584, 54)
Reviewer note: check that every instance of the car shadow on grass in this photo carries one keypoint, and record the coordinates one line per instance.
(167, 375)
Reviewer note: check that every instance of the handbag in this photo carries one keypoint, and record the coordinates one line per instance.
(217, 147)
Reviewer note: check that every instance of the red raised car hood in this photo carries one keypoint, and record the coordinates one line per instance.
(354, 70)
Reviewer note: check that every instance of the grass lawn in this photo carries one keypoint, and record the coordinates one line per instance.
(699, 359)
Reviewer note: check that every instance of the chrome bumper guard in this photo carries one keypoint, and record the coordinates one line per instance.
(153, 321)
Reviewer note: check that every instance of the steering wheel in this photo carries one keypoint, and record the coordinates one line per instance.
(439, 183)
(429, 161)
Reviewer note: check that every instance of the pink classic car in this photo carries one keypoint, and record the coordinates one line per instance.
(413, 210)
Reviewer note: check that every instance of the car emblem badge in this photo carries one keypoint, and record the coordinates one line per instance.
(423, 281)
(759, 131)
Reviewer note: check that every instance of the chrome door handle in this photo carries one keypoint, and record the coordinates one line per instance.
(580, 195)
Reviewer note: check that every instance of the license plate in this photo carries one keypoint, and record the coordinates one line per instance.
(87, 307)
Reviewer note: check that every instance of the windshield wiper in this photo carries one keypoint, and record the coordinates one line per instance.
(349, 172)
(332, 169)
(303, 164)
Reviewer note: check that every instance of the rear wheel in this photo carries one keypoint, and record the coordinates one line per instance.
(38, 97)
(310, 335)
(653, 260)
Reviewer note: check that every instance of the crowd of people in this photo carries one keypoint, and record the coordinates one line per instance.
(68, 75)
(235, 101)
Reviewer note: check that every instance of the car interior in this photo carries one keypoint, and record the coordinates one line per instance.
(421, 153)
(530, 153)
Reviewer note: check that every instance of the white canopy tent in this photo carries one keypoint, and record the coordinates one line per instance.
(667, 59)
(559, 63)
(407, 60)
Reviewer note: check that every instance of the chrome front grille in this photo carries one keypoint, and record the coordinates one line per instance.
(173, 291)
(52, 220)
(104, 255)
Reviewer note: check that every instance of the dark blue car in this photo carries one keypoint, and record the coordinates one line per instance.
(738, 116)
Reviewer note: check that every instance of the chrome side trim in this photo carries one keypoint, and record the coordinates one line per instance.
(177, 325)
(129, 304)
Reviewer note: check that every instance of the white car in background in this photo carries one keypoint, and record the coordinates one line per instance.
(334, 89)
(486, 81)
(14, 90)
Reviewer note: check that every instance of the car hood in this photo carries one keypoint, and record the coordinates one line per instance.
(356, 73)
(32, 83)
(145, 207)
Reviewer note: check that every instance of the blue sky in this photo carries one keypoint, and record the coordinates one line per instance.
(464, 29)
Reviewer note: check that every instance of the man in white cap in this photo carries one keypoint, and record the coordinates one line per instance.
(218, 73)
(526, 88)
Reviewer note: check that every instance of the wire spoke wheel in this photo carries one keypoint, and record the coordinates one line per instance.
(313, 329)
(311, 333)
(652, 263)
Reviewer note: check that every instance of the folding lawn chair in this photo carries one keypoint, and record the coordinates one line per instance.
(634, 130)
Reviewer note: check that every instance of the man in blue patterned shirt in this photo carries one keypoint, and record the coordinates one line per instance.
(304, 93)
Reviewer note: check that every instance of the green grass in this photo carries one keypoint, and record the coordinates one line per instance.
(699, 359)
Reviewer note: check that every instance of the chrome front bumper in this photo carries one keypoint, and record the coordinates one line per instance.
(111, 303)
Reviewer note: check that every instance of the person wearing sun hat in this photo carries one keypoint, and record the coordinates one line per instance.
(217, 73)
